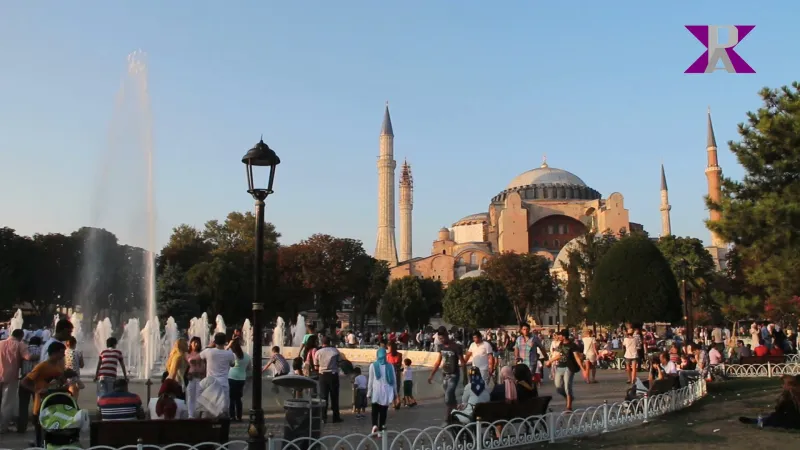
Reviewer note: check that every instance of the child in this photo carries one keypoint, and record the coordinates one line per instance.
(297, 369)
(408, 385)
(39, 380)
(360, 388)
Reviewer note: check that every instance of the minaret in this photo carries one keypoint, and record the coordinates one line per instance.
(385, 249)
(406, 205)
(666, 226)
(714, 175)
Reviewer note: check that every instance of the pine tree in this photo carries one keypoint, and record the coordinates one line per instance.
(761, 213)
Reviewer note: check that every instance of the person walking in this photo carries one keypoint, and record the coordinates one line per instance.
(395, 358)
(12, 352)
(196, 372)
(326, 362)
(451, 359)
(237, 377)
(381, 390)
(63, 331)
(590, 351)
(24, 395)
(107, 363)
(482, 355)
(568, 361)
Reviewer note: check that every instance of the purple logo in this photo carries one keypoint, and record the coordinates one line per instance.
(716, 51)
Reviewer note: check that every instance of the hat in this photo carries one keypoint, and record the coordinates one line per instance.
(442, 331)
(564, 333)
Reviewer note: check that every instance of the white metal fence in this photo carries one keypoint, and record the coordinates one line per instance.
(485, 435)
(759, 370)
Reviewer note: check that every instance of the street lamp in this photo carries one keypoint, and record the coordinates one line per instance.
(259, 156)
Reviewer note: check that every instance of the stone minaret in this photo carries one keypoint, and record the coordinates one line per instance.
(406, 205)
(666, 226)
(714, 175)
(386, 249)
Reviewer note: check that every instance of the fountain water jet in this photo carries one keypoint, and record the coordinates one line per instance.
(298, 331)
(16, 322)
(279, 333)
(220, 325)
(171, 335)
(151, 339)
(102, 332)
(247, 336)
(199, 327)
(131, 347)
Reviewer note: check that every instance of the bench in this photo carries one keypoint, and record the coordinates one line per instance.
(669, 383)
(120, 433)
(763, 359)
(493, 411)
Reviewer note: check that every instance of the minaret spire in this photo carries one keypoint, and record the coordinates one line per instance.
(406, 207)
(666, 224)
(714, 177)
(711, 141)
(386, 248)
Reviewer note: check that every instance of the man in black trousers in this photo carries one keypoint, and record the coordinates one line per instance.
(326, 361)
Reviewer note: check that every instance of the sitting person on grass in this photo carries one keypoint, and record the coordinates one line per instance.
(787, 409)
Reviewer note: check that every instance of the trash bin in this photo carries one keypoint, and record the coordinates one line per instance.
(303, 415)
(303, 418)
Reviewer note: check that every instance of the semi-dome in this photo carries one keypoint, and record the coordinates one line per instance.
(545, 175)
(472, 218)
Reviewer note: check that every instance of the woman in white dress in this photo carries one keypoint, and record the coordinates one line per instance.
(381, 390)
(590, 351)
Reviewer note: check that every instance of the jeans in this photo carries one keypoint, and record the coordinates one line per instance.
(24, 397)
(105, 385)
(191, 397)
(563, 382)
(687, 376)
(329, 389)
(449, 384)
(236, 391)
(379, 413)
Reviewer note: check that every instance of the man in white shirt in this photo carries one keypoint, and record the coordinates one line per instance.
(218, 360)
(351, 340)
(482, 354)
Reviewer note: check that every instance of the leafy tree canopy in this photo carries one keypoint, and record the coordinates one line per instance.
(527, 282)
(403, 304)
(476, 303)
(634, 283)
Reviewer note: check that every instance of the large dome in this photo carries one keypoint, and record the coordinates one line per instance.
(545, 175)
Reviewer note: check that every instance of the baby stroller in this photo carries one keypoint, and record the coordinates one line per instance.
(61, 420)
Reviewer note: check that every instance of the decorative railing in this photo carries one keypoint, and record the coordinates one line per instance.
(759, 370)
(482, 435)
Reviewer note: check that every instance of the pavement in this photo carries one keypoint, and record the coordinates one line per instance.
(611, 386)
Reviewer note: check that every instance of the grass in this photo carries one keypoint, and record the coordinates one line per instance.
(711, 423)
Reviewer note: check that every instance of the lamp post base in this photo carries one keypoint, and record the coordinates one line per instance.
(257, 440)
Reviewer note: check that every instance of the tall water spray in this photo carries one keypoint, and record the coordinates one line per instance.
(279, 333)
(198, 327)
(16, 322)
(247, 335)
(171, 335)
(151, 340)
(130, 147)
(298, 331)
(131, 347)
(220, 325)
(102, 332)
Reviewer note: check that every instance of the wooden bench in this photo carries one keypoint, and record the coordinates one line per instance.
(669, 383)
(120, 433)
(493, 411)
(763, 359)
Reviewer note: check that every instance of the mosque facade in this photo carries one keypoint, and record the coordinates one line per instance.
(542, 211)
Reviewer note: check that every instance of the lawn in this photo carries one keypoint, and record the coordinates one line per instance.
(710, 423)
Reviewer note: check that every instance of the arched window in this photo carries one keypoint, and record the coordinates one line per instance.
(484, 261)
(444, 252)
(544, 244)
(473, 259)
(556, 244)
(551, 229)
(461, 261)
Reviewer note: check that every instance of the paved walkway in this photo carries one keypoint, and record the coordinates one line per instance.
(611, 386)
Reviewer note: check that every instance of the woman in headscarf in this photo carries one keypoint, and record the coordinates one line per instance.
(168, 406)
(506, 389)
(475, 393)
(381, 389)
(526, 389)
(177, 365)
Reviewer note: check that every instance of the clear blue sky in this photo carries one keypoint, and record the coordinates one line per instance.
(479, 91)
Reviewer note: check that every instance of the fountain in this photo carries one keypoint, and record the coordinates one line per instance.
(171, 335)
(131, 347)
(199, 328)
(16, 322)
(220, 328)
(102, 332)
(125, 171)
(77, 329)
(279, 333)
(151, 339)
(298, 331)
(247, 336)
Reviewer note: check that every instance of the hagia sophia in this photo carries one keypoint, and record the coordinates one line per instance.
(541, 211)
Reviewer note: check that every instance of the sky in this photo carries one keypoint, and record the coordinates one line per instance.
(479, 92)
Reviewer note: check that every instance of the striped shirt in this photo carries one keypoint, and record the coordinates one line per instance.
(110, 358)
(119, 406)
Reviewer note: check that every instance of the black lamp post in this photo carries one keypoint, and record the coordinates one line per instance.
(259, 156)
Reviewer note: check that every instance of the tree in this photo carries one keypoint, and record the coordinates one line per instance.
(370, 279)
(477, 302)
(576, 303)
(238, 232)
(760, 214)
(433, 293)
(174, 298)
(691, 262)
(591, 248)
(527, 282)
(736, 299)
(403, 304)
(634, 283)
(186, 247)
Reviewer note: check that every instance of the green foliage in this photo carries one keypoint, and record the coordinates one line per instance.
(576, 303)
(527, 282)
(478, 302)
(433, 293)
(174, 297)
(404, 305)
(633, 282)
(761, 213)
(369, 281)
(691, 262)
(583, 261)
